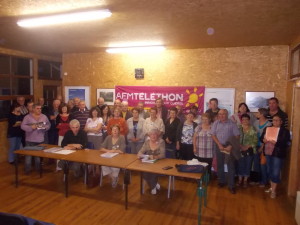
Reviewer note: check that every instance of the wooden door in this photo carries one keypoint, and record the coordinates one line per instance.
(49, 94)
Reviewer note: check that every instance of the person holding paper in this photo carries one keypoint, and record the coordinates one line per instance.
(113, 143)
(275, 151)
(153, 148)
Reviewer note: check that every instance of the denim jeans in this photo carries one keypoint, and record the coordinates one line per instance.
(171, 151)
(274, 165)
(244, 165)
(28, 158)
(14, 144)
(264, 174)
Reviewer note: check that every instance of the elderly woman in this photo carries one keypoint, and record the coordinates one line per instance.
(155, 148)
(275, 151)
(243, 109)
(203, 143)
(93, 128)
(113, 143)
(117, 120)
(153, 122)
(248, 143)
(135, 136)
(185, 133)
(14, 131)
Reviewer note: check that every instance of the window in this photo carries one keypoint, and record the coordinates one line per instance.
(295, 62)
(16, 78)
(49, 70)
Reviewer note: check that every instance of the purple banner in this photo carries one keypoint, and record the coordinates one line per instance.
(172, 96)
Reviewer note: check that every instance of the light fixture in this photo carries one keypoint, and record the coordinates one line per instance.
(137, 49)
(65, 18)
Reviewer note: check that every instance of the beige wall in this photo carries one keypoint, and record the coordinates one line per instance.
(37, 91)
(262, 68)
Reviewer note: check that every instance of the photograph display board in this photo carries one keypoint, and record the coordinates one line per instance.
(82, 92)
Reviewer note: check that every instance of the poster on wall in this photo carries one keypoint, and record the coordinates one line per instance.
(172, 96)
(82, 92)
(107, 94)
(225, 98)
(258, 99)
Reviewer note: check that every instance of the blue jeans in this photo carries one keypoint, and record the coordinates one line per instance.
(274, 165)
(244, 165)
(14, 144)
(171, 151)
(28, 158)
(264, 174)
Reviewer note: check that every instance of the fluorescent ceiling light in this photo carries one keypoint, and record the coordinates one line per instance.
(137, 49)
(64, 18)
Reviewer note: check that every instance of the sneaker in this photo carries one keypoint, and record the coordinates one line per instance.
(114, 182)
(153, 191)
(157, 186)
(273, 194)
(268, 190)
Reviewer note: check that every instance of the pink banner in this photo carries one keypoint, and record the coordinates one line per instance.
(172, 96)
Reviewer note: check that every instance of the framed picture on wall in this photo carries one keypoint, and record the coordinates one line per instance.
(82, 92)
(258, 99)
(108, 95)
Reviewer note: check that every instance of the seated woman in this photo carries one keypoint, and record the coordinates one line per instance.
(113, 143)
(275, 152)
(74, 139)
(155, 148)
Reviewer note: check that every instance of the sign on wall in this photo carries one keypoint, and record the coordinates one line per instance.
(172, 96)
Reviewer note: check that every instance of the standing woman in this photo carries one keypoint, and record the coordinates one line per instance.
(113, 143)
(185, 133)
(275, 152)
(93, 128)
(153, 122)
(117, 120)
(135, 136)
(204, 145)
(106, 116)
(243, 109)
(154, 147)
(14, 131)
(171, 126)
(62, 121)
(248, 143)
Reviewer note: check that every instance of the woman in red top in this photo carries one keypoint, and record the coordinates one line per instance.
(62, 121)
(117, 120)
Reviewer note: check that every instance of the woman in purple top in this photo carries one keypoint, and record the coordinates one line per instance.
(35, 125)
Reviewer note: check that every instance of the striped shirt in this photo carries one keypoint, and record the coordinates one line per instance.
(224, 130)
(204, 143)
(82, 117)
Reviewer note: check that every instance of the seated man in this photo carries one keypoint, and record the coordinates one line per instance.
(74, 139)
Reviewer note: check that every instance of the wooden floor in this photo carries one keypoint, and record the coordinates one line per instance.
(43, 199)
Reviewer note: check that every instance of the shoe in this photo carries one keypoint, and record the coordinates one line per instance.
(221, 185)
(239, 184)
(232, 190)
(273, 194)
(114, 182)
(157, 186)
(268, 190)
(153, 191)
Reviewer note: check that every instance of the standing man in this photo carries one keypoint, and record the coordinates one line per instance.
(143, 113)
(76, 101)
(100, 102)
(45, 108)
(53, 132)
(222, 130)
(275, 110)
(126, 114)
(213, 108)
(35, 125)
(82, 114)
(21, 102)
(117, 103)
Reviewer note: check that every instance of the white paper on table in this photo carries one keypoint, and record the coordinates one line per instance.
(109, 154)
(54, 149)
(64, 152)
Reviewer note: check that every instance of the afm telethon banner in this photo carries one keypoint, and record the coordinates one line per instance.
(172, 96)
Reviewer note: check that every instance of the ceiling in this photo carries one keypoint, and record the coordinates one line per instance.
(174, 23)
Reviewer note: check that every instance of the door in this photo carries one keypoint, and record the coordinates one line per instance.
(49, 94)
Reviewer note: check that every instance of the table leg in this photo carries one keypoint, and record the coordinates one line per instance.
(142, 186)
(200, 193)
(41, 168)
(16, 170)
(86, 173)
(126, 182)
(66, 178)
(169, 186)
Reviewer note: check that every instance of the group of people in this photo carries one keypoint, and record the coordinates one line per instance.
(238, 142)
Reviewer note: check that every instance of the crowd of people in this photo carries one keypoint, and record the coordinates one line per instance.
(236, 145)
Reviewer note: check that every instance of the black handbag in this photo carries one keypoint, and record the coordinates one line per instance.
(190, 168)
(248, 152)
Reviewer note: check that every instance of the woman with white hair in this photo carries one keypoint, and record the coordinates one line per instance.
(154, 147)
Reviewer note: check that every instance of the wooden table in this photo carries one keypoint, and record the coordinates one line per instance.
(157, 168)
